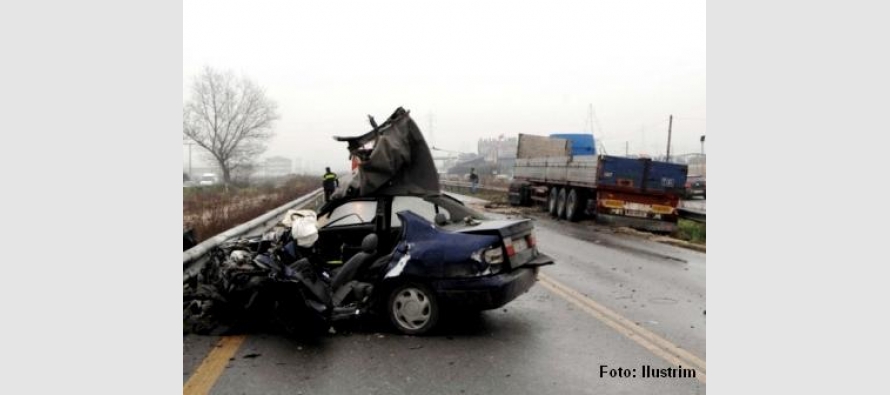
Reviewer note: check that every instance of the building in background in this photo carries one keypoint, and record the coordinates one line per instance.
(499, 153)
(298, 166)
(277, 166)
(696, 162)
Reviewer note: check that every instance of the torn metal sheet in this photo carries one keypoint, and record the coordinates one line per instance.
(393, 159)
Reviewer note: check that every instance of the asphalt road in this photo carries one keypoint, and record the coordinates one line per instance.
(610, 299)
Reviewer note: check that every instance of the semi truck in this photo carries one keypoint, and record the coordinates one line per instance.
(565, 175)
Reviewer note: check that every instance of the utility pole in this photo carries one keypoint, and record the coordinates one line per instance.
(703, 144)
(670, 123)
(627, 148)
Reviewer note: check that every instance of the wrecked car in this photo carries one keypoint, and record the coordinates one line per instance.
(431, 253)
(388, 243)
(438, 252)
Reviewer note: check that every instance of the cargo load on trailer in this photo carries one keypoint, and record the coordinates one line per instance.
(557, 173)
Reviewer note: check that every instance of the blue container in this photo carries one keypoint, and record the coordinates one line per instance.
(666, 177)
(582, 143)
(641, 175)
(621, 173)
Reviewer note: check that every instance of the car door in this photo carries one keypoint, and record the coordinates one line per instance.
(341, 230)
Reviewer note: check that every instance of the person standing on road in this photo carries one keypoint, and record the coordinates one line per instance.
(330, 183)
(474, 180)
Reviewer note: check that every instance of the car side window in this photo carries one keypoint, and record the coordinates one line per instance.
(352, 213)
(419, 206)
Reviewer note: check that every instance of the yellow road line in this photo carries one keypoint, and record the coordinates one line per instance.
(650, 341)
(212, 366)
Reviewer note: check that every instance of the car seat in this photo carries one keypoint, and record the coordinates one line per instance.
(356, 263)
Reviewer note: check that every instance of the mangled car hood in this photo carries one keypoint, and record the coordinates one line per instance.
(399, 163)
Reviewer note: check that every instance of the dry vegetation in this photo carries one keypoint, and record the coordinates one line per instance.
(213, 210)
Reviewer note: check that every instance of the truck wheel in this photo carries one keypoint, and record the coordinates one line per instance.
(413, 309)
(518, 193)
(551, 201)
(575, 205)
(525, 195)
(561, 204)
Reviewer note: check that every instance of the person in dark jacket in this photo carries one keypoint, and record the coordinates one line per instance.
(330, 183)
(474, 180)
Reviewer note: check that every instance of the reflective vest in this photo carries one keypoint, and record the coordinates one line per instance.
(329, 179)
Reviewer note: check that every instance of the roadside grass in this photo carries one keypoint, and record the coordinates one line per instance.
(213, 210)
(690, 231)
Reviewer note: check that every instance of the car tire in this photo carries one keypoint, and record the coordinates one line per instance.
(575, 204)
(412, 308)
(551, 201)
(561, 204)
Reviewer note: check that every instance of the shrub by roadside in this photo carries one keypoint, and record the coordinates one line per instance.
(690, 231)
(213, 210)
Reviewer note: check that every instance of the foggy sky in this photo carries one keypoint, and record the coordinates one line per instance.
(481, 69)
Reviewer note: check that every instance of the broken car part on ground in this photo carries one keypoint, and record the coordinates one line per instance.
(387, 244)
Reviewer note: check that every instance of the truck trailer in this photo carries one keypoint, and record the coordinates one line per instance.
(571, 183)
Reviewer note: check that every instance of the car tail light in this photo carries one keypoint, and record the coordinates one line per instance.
(508, 245)
(493, 256)
(532, 240)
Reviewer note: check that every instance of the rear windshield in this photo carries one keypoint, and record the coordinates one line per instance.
(457, 209)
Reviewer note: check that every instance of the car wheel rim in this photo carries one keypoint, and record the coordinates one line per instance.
(412, 308)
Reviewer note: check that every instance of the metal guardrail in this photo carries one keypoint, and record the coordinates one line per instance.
(459, 186)
(692, 215)
(193, 257)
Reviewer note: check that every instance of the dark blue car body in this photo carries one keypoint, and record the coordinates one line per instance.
(446, 257)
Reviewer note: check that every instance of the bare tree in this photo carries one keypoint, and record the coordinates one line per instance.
(229, 117)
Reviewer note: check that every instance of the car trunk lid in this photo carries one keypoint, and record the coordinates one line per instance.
(518, 238)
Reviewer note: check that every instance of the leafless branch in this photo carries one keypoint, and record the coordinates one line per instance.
(229, 117)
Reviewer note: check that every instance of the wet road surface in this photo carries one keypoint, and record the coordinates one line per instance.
(545, 341)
